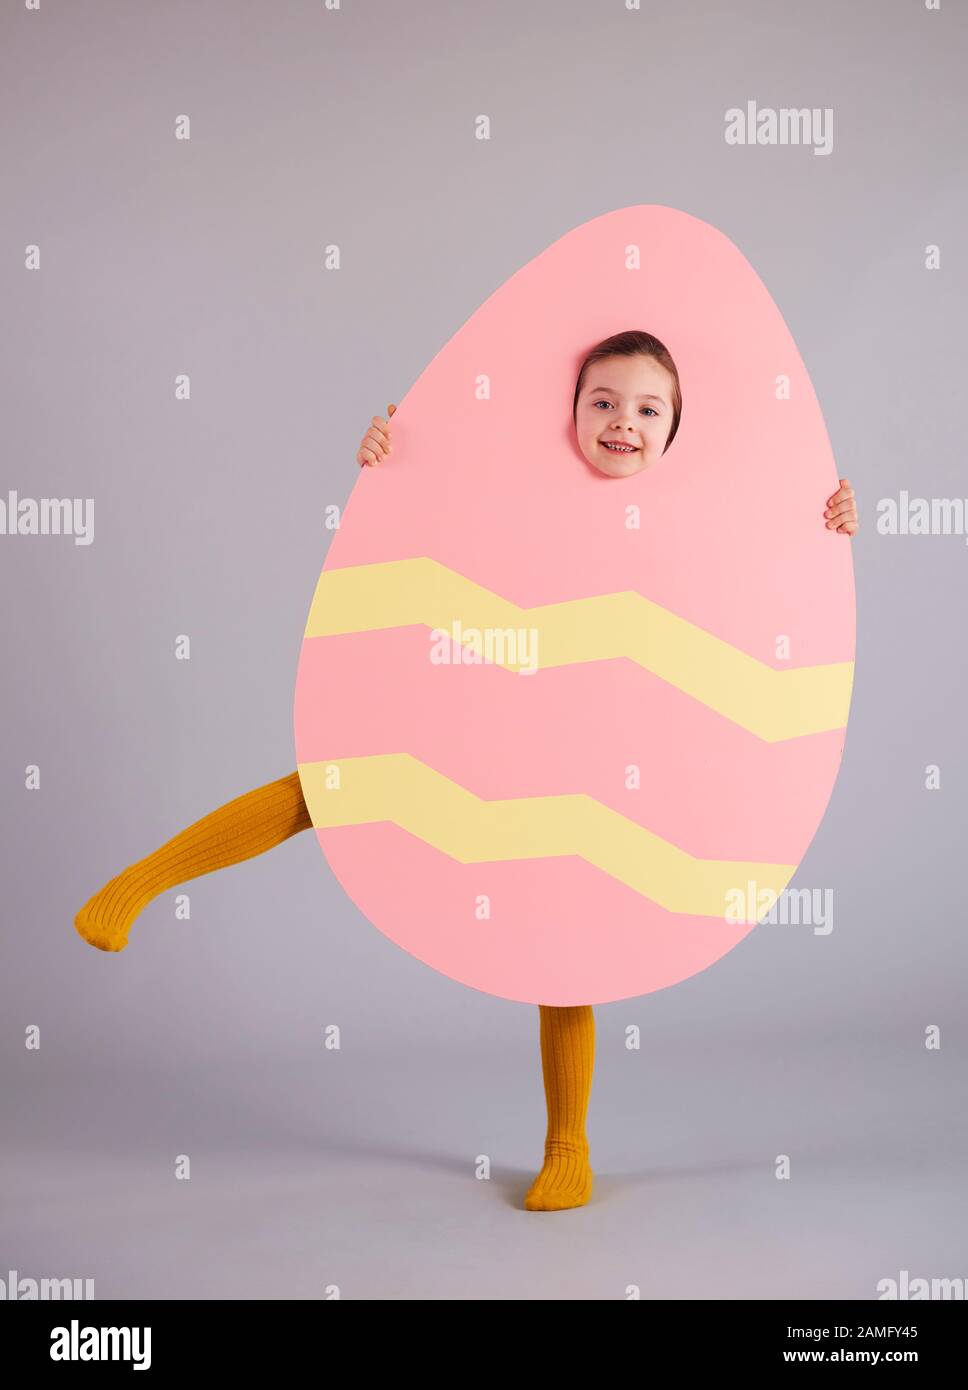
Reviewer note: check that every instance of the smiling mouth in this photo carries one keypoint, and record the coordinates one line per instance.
(619, 448)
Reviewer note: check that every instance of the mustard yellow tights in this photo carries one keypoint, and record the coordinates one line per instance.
(259, 819)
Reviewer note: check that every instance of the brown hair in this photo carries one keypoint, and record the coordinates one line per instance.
(634, 343)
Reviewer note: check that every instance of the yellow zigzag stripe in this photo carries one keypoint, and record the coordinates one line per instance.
(772, 704)
(400, 788)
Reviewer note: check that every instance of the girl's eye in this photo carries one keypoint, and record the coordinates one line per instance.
(608, 403)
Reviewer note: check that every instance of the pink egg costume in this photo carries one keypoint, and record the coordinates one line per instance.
(574, 833)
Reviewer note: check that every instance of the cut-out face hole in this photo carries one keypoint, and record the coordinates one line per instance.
(624, 401)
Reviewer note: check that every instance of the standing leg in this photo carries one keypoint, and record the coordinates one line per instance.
(241, 829)
(568, 1061)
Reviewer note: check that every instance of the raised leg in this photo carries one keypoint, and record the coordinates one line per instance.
(243, 828)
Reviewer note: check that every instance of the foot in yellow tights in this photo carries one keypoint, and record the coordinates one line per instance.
(249, 825)
(565, 1181)
(568, 1062)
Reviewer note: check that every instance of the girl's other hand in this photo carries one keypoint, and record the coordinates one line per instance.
(842, 509)
(376, 442)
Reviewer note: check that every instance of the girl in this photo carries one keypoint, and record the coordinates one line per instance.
(625, 413)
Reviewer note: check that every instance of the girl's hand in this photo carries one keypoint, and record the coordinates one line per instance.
(376, 442)
(842, 509)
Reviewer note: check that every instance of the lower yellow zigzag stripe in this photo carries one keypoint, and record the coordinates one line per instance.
(772, 704)
(400, 788)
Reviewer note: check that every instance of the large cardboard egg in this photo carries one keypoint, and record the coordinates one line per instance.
(549, 723)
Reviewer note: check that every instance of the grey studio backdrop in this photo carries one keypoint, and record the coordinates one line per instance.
(357, 1171)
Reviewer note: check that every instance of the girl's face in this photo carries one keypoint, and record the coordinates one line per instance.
(625, 400)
